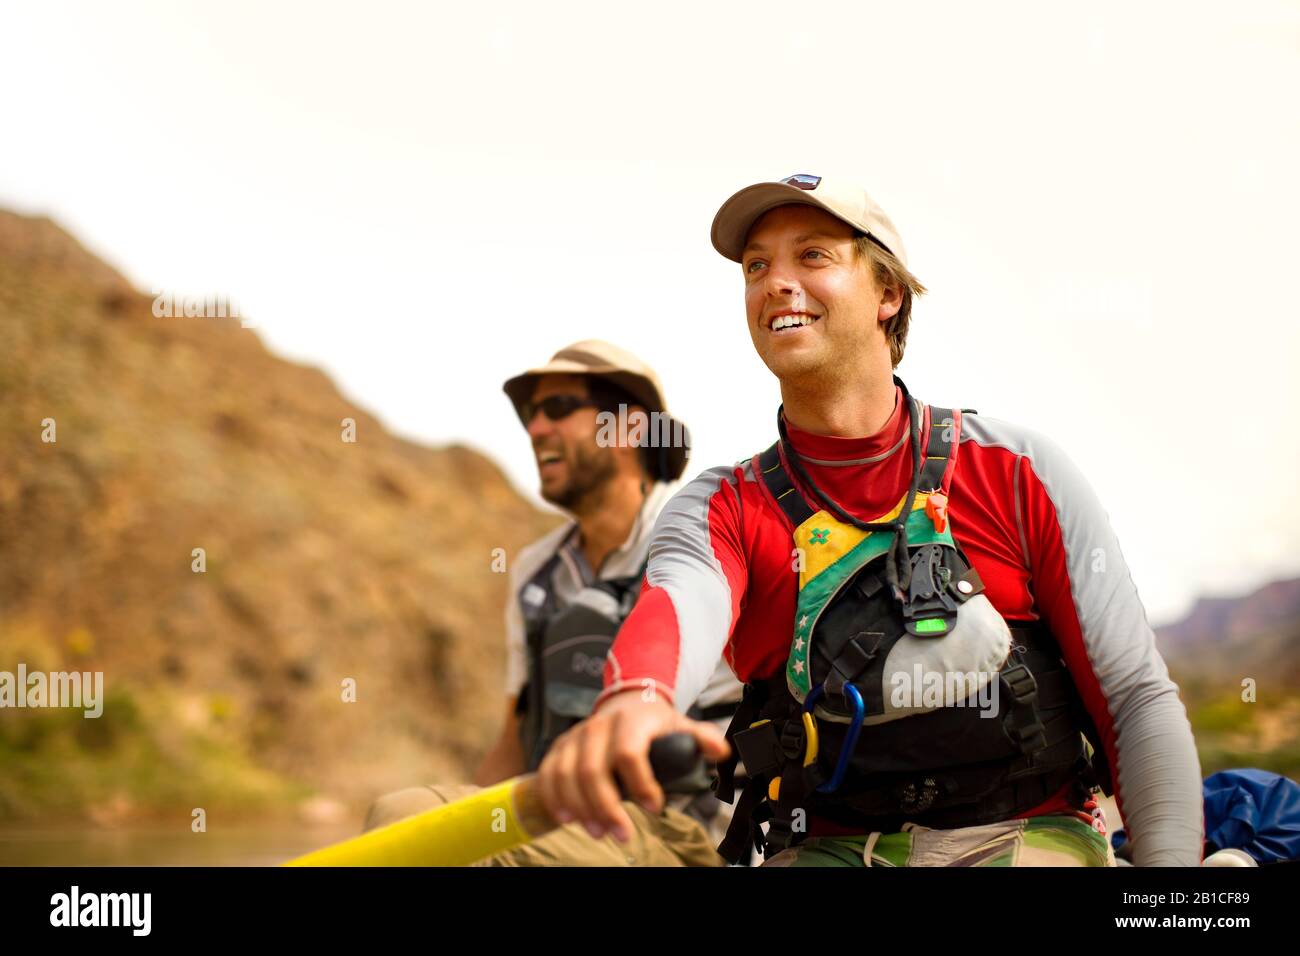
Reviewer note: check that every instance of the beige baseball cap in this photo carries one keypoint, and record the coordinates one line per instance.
(842, 199)
(608, 361)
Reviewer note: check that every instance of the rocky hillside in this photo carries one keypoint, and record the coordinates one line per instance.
(1256, 634)
(325, 560)
(1223, 642)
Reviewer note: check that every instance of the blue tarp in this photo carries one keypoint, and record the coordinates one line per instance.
(1252, 810)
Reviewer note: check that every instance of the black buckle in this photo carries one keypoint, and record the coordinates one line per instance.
(854, 658)
(1020, 681)
(759, 749)
(792, 740)
(1031, 738)
(928, 597)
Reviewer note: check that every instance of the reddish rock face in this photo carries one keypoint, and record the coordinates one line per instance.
(324, 560)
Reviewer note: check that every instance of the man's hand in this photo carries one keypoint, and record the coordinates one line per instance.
(578, 778)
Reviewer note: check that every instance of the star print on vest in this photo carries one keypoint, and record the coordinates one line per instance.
(825, 569)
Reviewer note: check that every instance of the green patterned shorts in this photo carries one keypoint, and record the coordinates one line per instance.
(1051, 840)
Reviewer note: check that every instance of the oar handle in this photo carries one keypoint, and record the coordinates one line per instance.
(674, 757)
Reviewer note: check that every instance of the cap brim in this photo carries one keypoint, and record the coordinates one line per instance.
(737, 215)
(520, 388)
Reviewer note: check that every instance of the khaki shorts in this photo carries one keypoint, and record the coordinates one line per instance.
(669, 839)
(1053, 840)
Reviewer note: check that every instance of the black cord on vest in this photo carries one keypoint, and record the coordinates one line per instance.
(898, 568)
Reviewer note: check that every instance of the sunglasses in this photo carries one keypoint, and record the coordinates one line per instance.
(555, 407)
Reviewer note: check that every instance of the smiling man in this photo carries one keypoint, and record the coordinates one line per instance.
(879, 538)
(587, 414)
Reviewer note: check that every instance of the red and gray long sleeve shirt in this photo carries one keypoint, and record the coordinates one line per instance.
(720, 582)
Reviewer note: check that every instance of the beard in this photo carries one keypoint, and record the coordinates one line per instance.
(590, 468)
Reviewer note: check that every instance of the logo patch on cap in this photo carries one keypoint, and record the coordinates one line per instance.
(802, 181)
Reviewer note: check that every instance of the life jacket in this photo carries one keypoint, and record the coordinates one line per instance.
(566, 648)
(906, 696)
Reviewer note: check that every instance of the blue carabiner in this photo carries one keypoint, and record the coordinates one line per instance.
(855, 725)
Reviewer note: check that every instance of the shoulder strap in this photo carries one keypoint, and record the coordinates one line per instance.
(941, 448)
(537, 603)
(536, 598)
(772, 473)
(625, 589)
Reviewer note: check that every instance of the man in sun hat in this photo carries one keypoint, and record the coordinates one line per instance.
(606, 450)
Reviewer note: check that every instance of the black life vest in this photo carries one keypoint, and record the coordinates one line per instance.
(906, 696)
(566, 649)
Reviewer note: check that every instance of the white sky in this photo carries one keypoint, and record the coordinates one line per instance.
(426, 200)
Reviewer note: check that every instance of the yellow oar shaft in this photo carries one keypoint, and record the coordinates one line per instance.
(457, 834)
(483, 824)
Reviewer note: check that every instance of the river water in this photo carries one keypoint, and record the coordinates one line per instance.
(247, 844)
